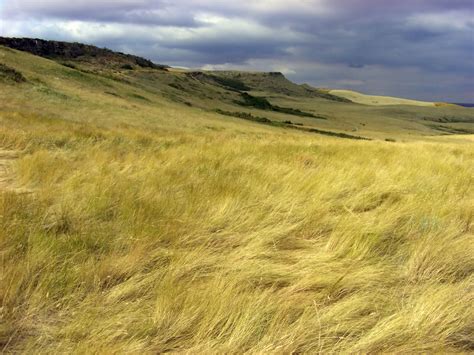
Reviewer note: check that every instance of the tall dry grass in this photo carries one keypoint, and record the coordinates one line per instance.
(136, 240)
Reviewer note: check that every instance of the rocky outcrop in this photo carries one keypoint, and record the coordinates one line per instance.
(68, 51)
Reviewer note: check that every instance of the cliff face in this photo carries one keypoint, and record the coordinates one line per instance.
(76, 52)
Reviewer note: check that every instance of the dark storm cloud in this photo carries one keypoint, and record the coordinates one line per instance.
(238, 53)
(433, 38)
(394, 44)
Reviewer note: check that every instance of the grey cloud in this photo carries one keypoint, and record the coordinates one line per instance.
(160, 12)
(356, 66)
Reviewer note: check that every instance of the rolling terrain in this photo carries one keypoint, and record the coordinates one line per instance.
(146, 209)
(373, 100)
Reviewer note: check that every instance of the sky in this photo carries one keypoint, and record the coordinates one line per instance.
(422, 49)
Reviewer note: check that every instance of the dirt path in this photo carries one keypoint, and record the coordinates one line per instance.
(7, 178)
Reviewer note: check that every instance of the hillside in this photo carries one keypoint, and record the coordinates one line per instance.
(153, 210)
(377, 100)
(257, 96)
(276, 83)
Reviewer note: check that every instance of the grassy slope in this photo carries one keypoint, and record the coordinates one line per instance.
(155, 226)
(400, 122)
(385, 121)
(377, 100)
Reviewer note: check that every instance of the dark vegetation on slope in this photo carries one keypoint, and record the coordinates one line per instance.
(452, 130)
(449, 119)
(252, 101)
(10, 75)
(226, 82)
(287, 124)
(263, 104)
(77, 52)
(335, 134)
(245, 116)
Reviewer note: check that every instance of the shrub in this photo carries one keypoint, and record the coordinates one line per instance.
(253, 101)
(69, 65)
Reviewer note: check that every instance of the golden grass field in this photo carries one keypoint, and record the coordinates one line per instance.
(170, 229)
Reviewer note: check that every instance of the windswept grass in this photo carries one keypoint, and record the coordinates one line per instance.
(143, 240)
(147, 225)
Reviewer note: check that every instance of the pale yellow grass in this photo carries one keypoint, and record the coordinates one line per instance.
(7, 176)
(374, 100)
(138, 240)
(6, 158)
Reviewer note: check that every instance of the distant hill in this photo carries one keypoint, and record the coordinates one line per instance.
(78, 52)
(276, 82)
(374, 100)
